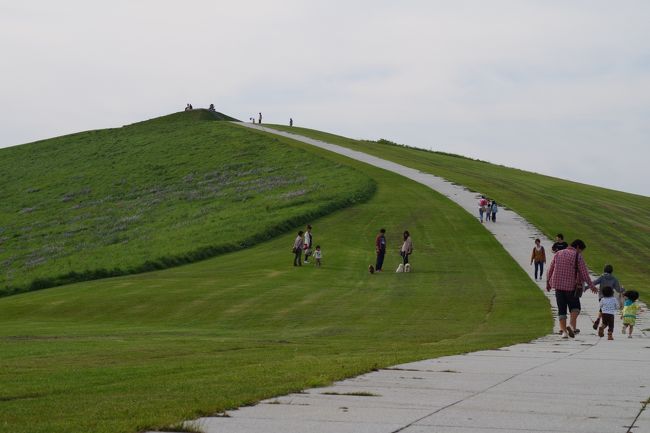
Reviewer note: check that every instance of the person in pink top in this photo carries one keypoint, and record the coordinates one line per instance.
(567, 270)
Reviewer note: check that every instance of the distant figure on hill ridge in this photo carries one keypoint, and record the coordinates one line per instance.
(211, 107)
(259, 119)
(290, 121)
(188, 107)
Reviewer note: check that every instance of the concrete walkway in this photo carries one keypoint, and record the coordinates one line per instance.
(586, 384)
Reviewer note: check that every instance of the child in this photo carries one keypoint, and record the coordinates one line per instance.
(318, 255)
(606, 280)
(608, 307)
(630, 310)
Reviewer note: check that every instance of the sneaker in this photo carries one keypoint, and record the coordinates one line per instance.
(576, 331)
(564, 335)
(610, 336)
(595, 325)
(306, 262)
(601, 332)
(570, 332)
(629, 336)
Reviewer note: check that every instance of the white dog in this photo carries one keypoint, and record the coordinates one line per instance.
(407, 268)
(400, 268)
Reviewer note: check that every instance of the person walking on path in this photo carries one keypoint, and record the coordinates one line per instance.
(380, 249)
(297, 249)
(630, 310)
(494, 208)
(488, 210)
(560, 243)
(539, 258)
(567, 272)
(307, 243)
(259, 118)
(482, 207)
(407, 248)
(604, 281)
(608, 307)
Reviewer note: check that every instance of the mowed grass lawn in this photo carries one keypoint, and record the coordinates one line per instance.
(145, 351)
(614, 225)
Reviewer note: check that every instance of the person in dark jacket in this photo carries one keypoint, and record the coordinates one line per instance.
(380, 249)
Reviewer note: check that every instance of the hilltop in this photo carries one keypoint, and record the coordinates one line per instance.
(159, 193)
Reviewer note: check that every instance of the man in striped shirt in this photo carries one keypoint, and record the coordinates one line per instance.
(567, 270)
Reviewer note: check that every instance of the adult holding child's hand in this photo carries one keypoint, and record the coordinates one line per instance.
(567, 275)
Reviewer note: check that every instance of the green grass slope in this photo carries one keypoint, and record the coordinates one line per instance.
(143, 351)
(614, 225)
(154, 194)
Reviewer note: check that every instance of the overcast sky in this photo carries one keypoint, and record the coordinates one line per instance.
(558, 87)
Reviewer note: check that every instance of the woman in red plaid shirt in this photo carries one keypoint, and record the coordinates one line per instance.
(563, 277)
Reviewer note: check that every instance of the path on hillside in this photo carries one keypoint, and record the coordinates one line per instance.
(548, 385)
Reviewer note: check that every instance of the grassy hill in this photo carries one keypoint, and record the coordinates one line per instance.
(144, 351)
(615, 225)
(154, 194)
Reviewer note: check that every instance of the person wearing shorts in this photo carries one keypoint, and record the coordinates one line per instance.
(563, 277)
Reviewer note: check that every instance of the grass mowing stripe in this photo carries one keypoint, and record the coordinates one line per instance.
(615, 225)
(145, 351)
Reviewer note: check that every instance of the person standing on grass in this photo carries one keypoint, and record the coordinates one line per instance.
(539, 258)
(297, 249)
(559, 244)
(380, 249)
(604, 281)
(318, 255)
(259, 119)
(407, 248)
(308, 242)
(568, 270)
(494, 209)
(290, 121)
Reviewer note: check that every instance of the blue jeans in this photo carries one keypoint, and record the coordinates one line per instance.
(540, 266)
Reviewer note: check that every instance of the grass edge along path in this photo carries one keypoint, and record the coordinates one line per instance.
(615, 225)
(145, 351)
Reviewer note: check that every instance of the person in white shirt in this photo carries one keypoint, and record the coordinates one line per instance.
(318, 255)
(308, 242)
(609, 307)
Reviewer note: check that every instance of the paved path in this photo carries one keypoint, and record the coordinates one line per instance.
(586, 384)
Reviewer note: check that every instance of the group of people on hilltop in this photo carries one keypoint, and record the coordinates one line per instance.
(189, 107)
(568, 275)
(487, 208)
